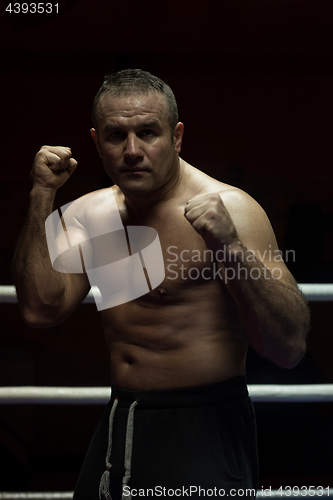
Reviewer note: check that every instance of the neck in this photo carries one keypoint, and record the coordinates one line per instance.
(142, 202)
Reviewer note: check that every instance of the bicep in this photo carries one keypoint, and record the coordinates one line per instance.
(76, 288)
(71, 254)
(256, 233)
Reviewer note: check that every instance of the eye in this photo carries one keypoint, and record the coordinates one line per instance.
(115, 136)
(147, 132)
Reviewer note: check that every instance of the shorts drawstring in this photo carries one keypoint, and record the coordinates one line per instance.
(104, 493)
(129, 447)
(104, 485)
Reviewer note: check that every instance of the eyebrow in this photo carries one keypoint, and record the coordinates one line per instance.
(110, 127)
(151, 124)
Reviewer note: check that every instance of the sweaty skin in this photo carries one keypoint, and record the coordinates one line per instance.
(195, 327)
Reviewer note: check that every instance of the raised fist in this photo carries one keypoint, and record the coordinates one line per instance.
(52, 166)
(210, 218)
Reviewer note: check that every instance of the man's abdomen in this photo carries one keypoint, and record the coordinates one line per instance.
(172, 346)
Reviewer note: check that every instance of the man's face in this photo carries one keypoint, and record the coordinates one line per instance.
(134, 141)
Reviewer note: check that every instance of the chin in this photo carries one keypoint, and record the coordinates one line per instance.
(135, 188)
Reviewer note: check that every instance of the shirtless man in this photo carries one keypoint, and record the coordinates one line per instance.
(178, 352)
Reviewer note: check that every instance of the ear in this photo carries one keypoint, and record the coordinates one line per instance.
(96, 141)
(178, 136)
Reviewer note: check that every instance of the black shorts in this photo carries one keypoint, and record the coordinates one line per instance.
(191, 442)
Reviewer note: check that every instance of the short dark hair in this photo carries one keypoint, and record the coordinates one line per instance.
(130, 81)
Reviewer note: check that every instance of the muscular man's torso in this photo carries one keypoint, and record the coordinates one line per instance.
(187, 331)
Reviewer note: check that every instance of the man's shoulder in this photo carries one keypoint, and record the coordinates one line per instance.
(249, 218)
(243, 209)
(90, 202)
(96, 212)
(246, 213)
(232, 196)
(237, 199)
(89, 199)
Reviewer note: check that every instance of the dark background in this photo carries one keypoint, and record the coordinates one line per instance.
(253, 79)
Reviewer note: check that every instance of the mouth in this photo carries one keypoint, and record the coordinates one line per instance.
(134, 170)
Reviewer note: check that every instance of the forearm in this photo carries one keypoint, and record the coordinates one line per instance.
(40, 289)
(275, 315)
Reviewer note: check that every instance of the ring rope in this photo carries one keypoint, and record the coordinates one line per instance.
(273, 393)
(314, 292)
(266, 493)
(61, 495)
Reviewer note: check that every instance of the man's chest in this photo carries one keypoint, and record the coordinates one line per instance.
(187, 261)
(171, 252)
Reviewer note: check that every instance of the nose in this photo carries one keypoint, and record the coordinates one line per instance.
(133, 147)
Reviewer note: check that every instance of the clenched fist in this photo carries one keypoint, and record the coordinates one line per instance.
(210, 218)
(52, 166)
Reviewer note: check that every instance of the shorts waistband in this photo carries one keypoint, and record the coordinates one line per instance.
(232, 388)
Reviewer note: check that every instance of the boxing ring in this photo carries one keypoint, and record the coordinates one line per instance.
(309, 393)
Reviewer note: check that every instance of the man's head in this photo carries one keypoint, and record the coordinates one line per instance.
(136, 81)
(137, 133)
